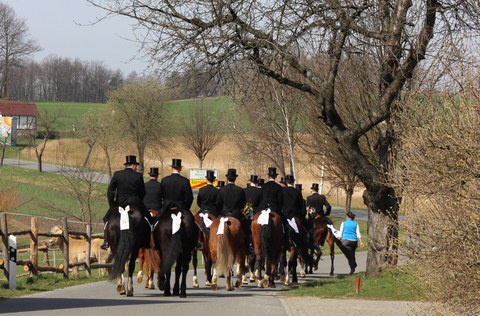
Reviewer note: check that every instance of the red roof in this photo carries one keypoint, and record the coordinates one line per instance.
(10, 108)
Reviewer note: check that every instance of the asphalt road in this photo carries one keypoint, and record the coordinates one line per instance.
(101, 298)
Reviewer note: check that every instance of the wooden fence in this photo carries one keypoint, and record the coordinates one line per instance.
(31, 265)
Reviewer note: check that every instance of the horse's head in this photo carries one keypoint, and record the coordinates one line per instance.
(55, 241)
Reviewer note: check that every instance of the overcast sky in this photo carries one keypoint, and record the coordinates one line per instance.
(53, 24)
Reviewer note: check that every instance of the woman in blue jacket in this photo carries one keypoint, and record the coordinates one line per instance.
(350, 235)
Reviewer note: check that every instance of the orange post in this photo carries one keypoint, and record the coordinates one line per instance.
(357, 285)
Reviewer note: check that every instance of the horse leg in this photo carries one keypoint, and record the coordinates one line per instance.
(292, 265)
(208, 268)
(178, 272)
(331, 244)
(195, 263)
(282, 267)
(251, 265)
(183, 286)
(131, 269)
(242, 278)
(141, 257)
(214, 285)
(120, 285)
(229, 280)
(167, 284)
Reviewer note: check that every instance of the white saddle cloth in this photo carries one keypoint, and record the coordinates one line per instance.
(124, 220)
(176, 222)
(264, 217)
(293, 224)
(207, 221)
(335, 232)
(221, 226)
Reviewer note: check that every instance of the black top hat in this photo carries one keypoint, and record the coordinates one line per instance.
(220, 184)
(282, 180)
(272, 172)
(176, 163)
(210, 175)
(298, 186)
(289, 178)
(261, 182)
(231, 173)
(254, 178)
(131, 160)
(153, 172)
(314, 187)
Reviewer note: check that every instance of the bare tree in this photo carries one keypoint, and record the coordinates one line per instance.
(201, 131)
(14, 45)
(141, 113)
(271, 37)
(47, 125)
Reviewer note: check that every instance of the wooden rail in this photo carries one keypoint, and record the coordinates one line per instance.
(31, 265)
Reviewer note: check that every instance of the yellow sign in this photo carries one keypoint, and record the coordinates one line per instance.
(5, 129)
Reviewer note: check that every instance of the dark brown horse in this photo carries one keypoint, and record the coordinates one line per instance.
(227, 247)
(175, 246)
(320, 235)
(268, 243)
(298, 249)
(203, 237)
(125, 243)
(145, 256)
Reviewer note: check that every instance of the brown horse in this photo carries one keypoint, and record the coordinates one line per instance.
(320, 235)
(203, 237)
(227, 247)
(268, 243)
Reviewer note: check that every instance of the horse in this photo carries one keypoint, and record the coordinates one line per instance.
(125, 243)
(203, 238)
(268, 243)
(321, 234)
(297, 248)
(227, 247)
(77, 249)
(175, 235)
(145, 257)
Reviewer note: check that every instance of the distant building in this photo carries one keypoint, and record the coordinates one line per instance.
(25, 113)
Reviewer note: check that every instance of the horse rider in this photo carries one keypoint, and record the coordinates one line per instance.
(253, 194)
(317, 202)
(207, 198)
(126, 188)
(272, 196)
(153, 193)
(232, 200)
(176, 188)
(292, 199)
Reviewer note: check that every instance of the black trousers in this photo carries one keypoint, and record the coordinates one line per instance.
(348, 248)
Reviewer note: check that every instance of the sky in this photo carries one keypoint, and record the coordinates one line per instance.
(61, 28)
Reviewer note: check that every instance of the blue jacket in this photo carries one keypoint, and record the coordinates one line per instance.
(349, 230)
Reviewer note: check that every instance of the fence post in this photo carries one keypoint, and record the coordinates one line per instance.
(34, 244)
(88, 250)
(65, 247)
(12, 262)
(3, 223)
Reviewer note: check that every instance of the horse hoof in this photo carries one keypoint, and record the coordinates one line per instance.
(151, 287)
(175, 292)
(139, 277)
(230, 289)
(183, 295)
(195, 282)
(207, 283)
(238, 284)
(272, 285)
(302, 275)
(167, 293)
(252, 280)
(130, 294)
(214, 287)
(161, 285)
(244, 280)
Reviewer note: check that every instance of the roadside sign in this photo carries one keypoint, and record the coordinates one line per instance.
(197, 177)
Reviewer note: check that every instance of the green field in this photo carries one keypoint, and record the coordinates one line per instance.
(72, 113)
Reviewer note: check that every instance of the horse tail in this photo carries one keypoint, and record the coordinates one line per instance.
(124, 250)
(266, 237)
(225, 257)
(173, 251)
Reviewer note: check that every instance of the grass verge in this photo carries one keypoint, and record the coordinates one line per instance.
(45, 282)
(397, 284)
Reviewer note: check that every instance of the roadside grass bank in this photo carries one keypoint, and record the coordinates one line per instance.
(45, 282)
(396, 284)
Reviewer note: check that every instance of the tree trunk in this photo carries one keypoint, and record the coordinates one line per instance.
(3, 154)
(87, 158)
(348, 198)
(382, 229)
(109, 165)
(141, 155)
(39, 159)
